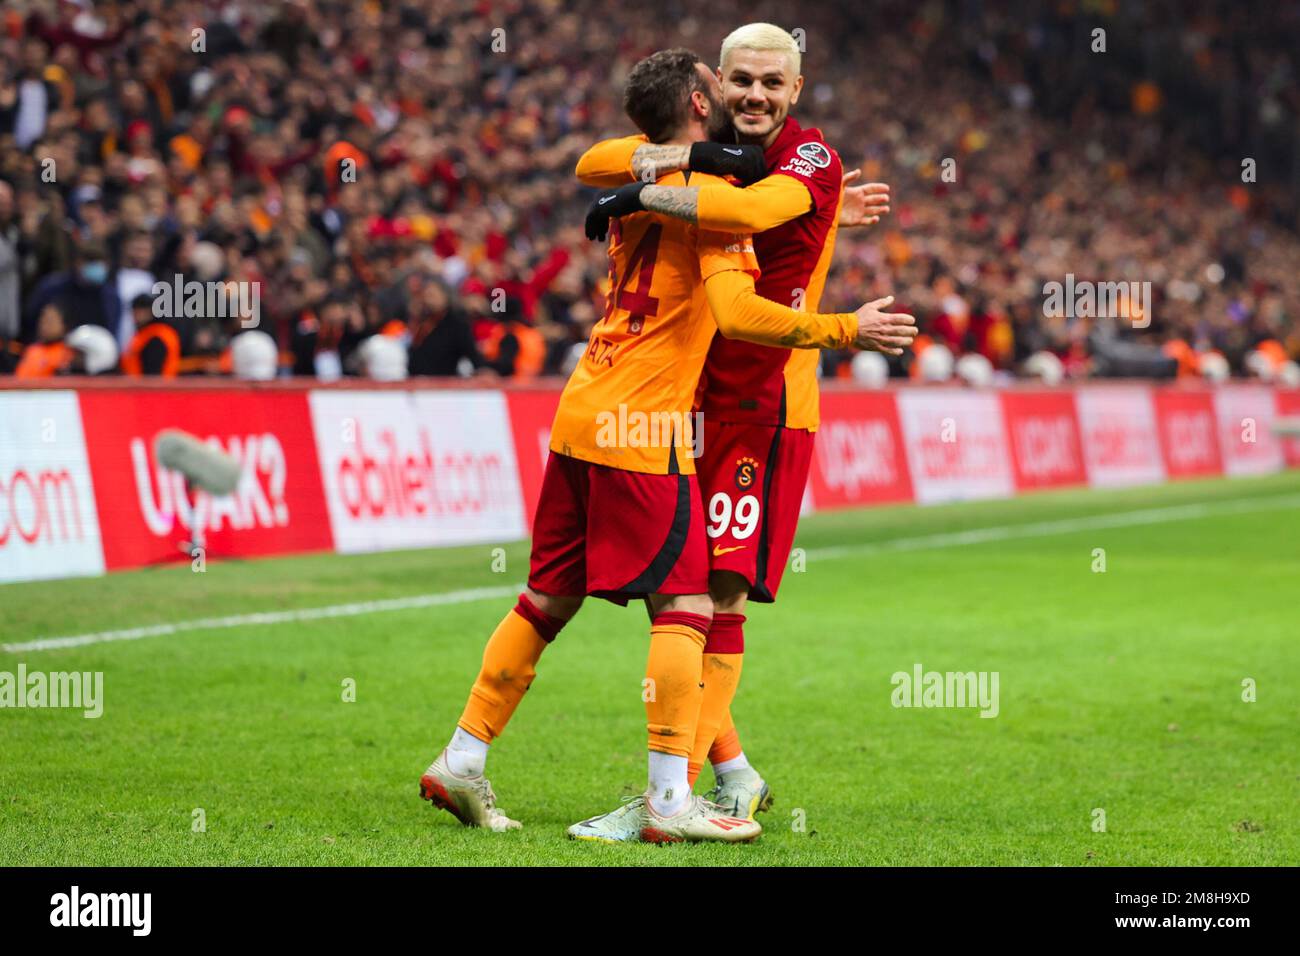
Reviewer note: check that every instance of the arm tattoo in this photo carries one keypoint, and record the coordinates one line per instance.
(677, 201)
(650, 161)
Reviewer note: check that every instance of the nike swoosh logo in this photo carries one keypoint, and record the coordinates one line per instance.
(734, 152)
(720, 551)
(605, 200)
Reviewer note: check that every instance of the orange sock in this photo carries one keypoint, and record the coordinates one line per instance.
(726, 746)
(672, 691)
(723, 654)
(509, 666)
(721, 676)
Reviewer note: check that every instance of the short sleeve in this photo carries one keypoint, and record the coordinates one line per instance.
(726, 251)
(818, 167)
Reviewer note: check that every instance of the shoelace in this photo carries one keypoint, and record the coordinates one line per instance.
(629, 803)
(711, 797)
(490, 800)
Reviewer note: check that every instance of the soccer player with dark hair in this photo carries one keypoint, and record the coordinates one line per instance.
(620, 517)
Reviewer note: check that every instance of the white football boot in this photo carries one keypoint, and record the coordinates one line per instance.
(742, 793)
(701, 821)
(618, 826)
(469, 799)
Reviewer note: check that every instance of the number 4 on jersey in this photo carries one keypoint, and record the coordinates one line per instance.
(638, 301)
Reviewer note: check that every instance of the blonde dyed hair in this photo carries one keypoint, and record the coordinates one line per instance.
(761, 37)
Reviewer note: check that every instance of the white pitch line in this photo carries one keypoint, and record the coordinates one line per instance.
(1039, 529)
(266, 617)
(948, 539)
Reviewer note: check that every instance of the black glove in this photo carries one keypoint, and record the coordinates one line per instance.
(746, 163)
(622, 201)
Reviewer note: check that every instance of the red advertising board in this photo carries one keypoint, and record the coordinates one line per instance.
(1288, 407)
(1043, 429)
(1189, 438)
(145, 512)
(1117, 424)
(956, 444)
(859, 457)
(361, 469)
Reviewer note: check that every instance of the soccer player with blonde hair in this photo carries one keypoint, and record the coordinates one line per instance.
(760, 402)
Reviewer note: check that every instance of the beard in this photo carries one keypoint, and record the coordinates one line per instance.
(749, 136)
(720, 128)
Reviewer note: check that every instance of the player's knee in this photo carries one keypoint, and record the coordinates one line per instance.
(728, 591)
(700, 604)
(556, 605)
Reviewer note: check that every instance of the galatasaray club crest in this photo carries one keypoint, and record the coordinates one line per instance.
(746, 473)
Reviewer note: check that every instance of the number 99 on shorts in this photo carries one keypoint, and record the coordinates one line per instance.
(738, 519)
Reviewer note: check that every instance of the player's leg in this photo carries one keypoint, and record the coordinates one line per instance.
(734, 480)
(726, 751)
(673, 690)
(647, 536)
(674, 677)
(754, 479)
(455, 781)
(509, 666)
(738, 788)
(723, 655)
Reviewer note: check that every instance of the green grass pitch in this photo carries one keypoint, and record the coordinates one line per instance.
(1119, 691)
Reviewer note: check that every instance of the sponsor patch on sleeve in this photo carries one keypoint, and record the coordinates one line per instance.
(815, 153)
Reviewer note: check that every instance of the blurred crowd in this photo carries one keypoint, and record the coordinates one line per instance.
(395, 180)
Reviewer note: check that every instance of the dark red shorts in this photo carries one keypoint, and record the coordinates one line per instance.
(617, 534)
(752, 478)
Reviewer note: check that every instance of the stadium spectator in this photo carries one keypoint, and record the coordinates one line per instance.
(133, 278)
(10, 266)
(155, 346)
(326, 338)
(83, 294)
(442, 343)
(49, 355)
(27, 101)
(356, 153)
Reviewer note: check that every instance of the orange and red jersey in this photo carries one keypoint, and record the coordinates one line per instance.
(755, 384)
(794, 215)
(644, 357)
(673, 285)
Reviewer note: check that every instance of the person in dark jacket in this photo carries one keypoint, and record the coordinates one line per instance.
(324, 338)
(441, 338)
(83, 294)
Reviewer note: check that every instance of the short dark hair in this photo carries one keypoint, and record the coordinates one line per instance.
(658, 92)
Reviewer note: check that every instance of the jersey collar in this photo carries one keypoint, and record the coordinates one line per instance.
(789, 132)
